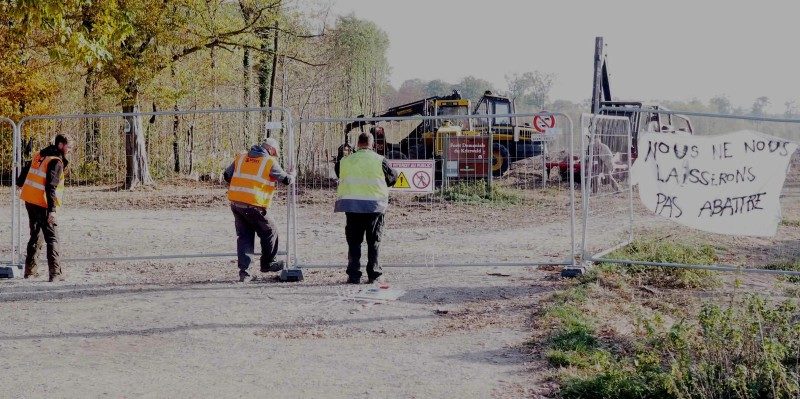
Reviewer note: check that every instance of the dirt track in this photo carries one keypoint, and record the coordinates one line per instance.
(184, 328)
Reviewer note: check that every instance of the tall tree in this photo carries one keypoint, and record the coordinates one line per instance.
(25, 85)
(438, 87)
(131, 41)
(472, 88)
(531, 89)
(720, 104)
(360, 50)
(760, 105)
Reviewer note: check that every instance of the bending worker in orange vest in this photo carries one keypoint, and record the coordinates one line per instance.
(253, 178)
(42, 191)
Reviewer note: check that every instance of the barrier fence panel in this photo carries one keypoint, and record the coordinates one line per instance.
(620, 215)
(464, 196)
(178, 208)
(8, 154)
(607, 193)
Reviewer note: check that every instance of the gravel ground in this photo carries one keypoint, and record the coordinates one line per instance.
(160, 328)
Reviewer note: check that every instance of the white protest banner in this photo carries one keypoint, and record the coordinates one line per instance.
(414, 175)
(727, 184)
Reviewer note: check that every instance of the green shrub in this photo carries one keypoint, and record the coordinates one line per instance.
(643, 379)
(668, 252)
(790, 223)
(479, 192)
(793, 266)
(748, 350)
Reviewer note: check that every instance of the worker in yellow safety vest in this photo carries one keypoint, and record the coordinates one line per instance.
(363, 195)
(42, 191)
(253, 177)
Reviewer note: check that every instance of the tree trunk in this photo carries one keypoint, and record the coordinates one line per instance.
(176, 122)
(274, 68)
(92, 125)
(215, 104)
(246, 96)
(137, 170)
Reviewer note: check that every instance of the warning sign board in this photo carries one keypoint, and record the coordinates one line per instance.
(544, 122)
(415, 175)
(402, 181)
(467, 157)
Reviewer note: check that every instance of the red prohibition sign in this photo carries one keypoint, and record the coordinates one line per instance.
(421, 179)
(543, 122)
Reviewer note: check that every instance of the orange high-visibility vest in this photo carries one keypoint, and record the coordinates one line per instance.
(33, 191)
(251, 182)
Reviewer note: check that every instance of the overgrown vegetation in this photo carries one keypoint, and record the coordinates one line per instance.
(746, 347)
(790, 223)
(792, 266)
(669, 252)
(478, 192)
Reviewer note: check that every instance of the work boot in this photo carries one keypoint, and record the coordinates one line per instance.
(30, 271)
(243, 275)
(373, 279)
(273, 267)
(56, 277)
(30, 274)
(353, 280)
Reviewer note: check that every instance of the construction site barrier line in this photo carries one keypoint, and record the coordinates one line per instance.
(424, 118)
(161, 257)
(719, 268)
(435, 265)
(689, 113)
(286, 112)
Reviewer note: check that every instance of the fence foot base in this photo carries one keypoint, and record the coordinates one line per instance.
(572, 272)
(10, 271)
(291, 275)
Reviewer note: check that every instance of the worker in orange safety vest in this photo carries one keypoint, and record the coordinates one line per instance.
(42, 191)
(253, 177)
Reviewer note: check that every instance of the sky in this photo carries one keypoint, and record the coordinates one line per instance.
(675, 50)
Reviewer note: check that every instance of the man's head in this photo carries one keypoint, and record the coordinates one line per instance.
(365, 140)
(63, 143)
(272, 146)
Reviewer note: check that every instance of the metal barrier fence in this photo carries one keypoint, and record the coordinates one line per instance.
(496, 190)
(8, 153)
(187, 151)
(466, 197)
(612, 218)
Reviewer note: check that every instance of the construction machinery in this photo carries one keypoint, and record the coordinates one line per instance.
(643, 118)
(510, 142)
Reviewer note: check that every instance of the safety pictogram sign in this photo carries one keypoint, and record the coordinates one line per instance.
(415, 175)
(544, 122)
(402, 181)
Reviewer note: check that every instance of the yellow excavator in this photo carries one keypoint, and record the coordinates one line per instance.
(510, 142)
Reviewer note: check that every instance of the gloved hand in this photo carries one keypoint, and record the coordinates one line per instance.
(290, 178)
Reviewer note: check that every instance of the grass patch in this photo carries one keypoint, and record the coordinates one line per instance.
(793, 266)
(747, 348)
(478, 192)
(669, 252)
(790, 223)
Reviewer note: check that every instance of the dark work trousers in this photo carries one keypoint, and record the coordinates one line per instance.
(359, 224)
(37, 218)
(249, 221)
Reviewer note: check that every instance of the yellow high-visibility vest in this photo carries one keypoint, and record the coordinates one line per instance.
(251, 182)
(362, 185)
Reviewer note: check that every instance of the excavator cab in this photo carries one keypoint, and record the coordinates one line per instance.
(458, 107)
(493, 104)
